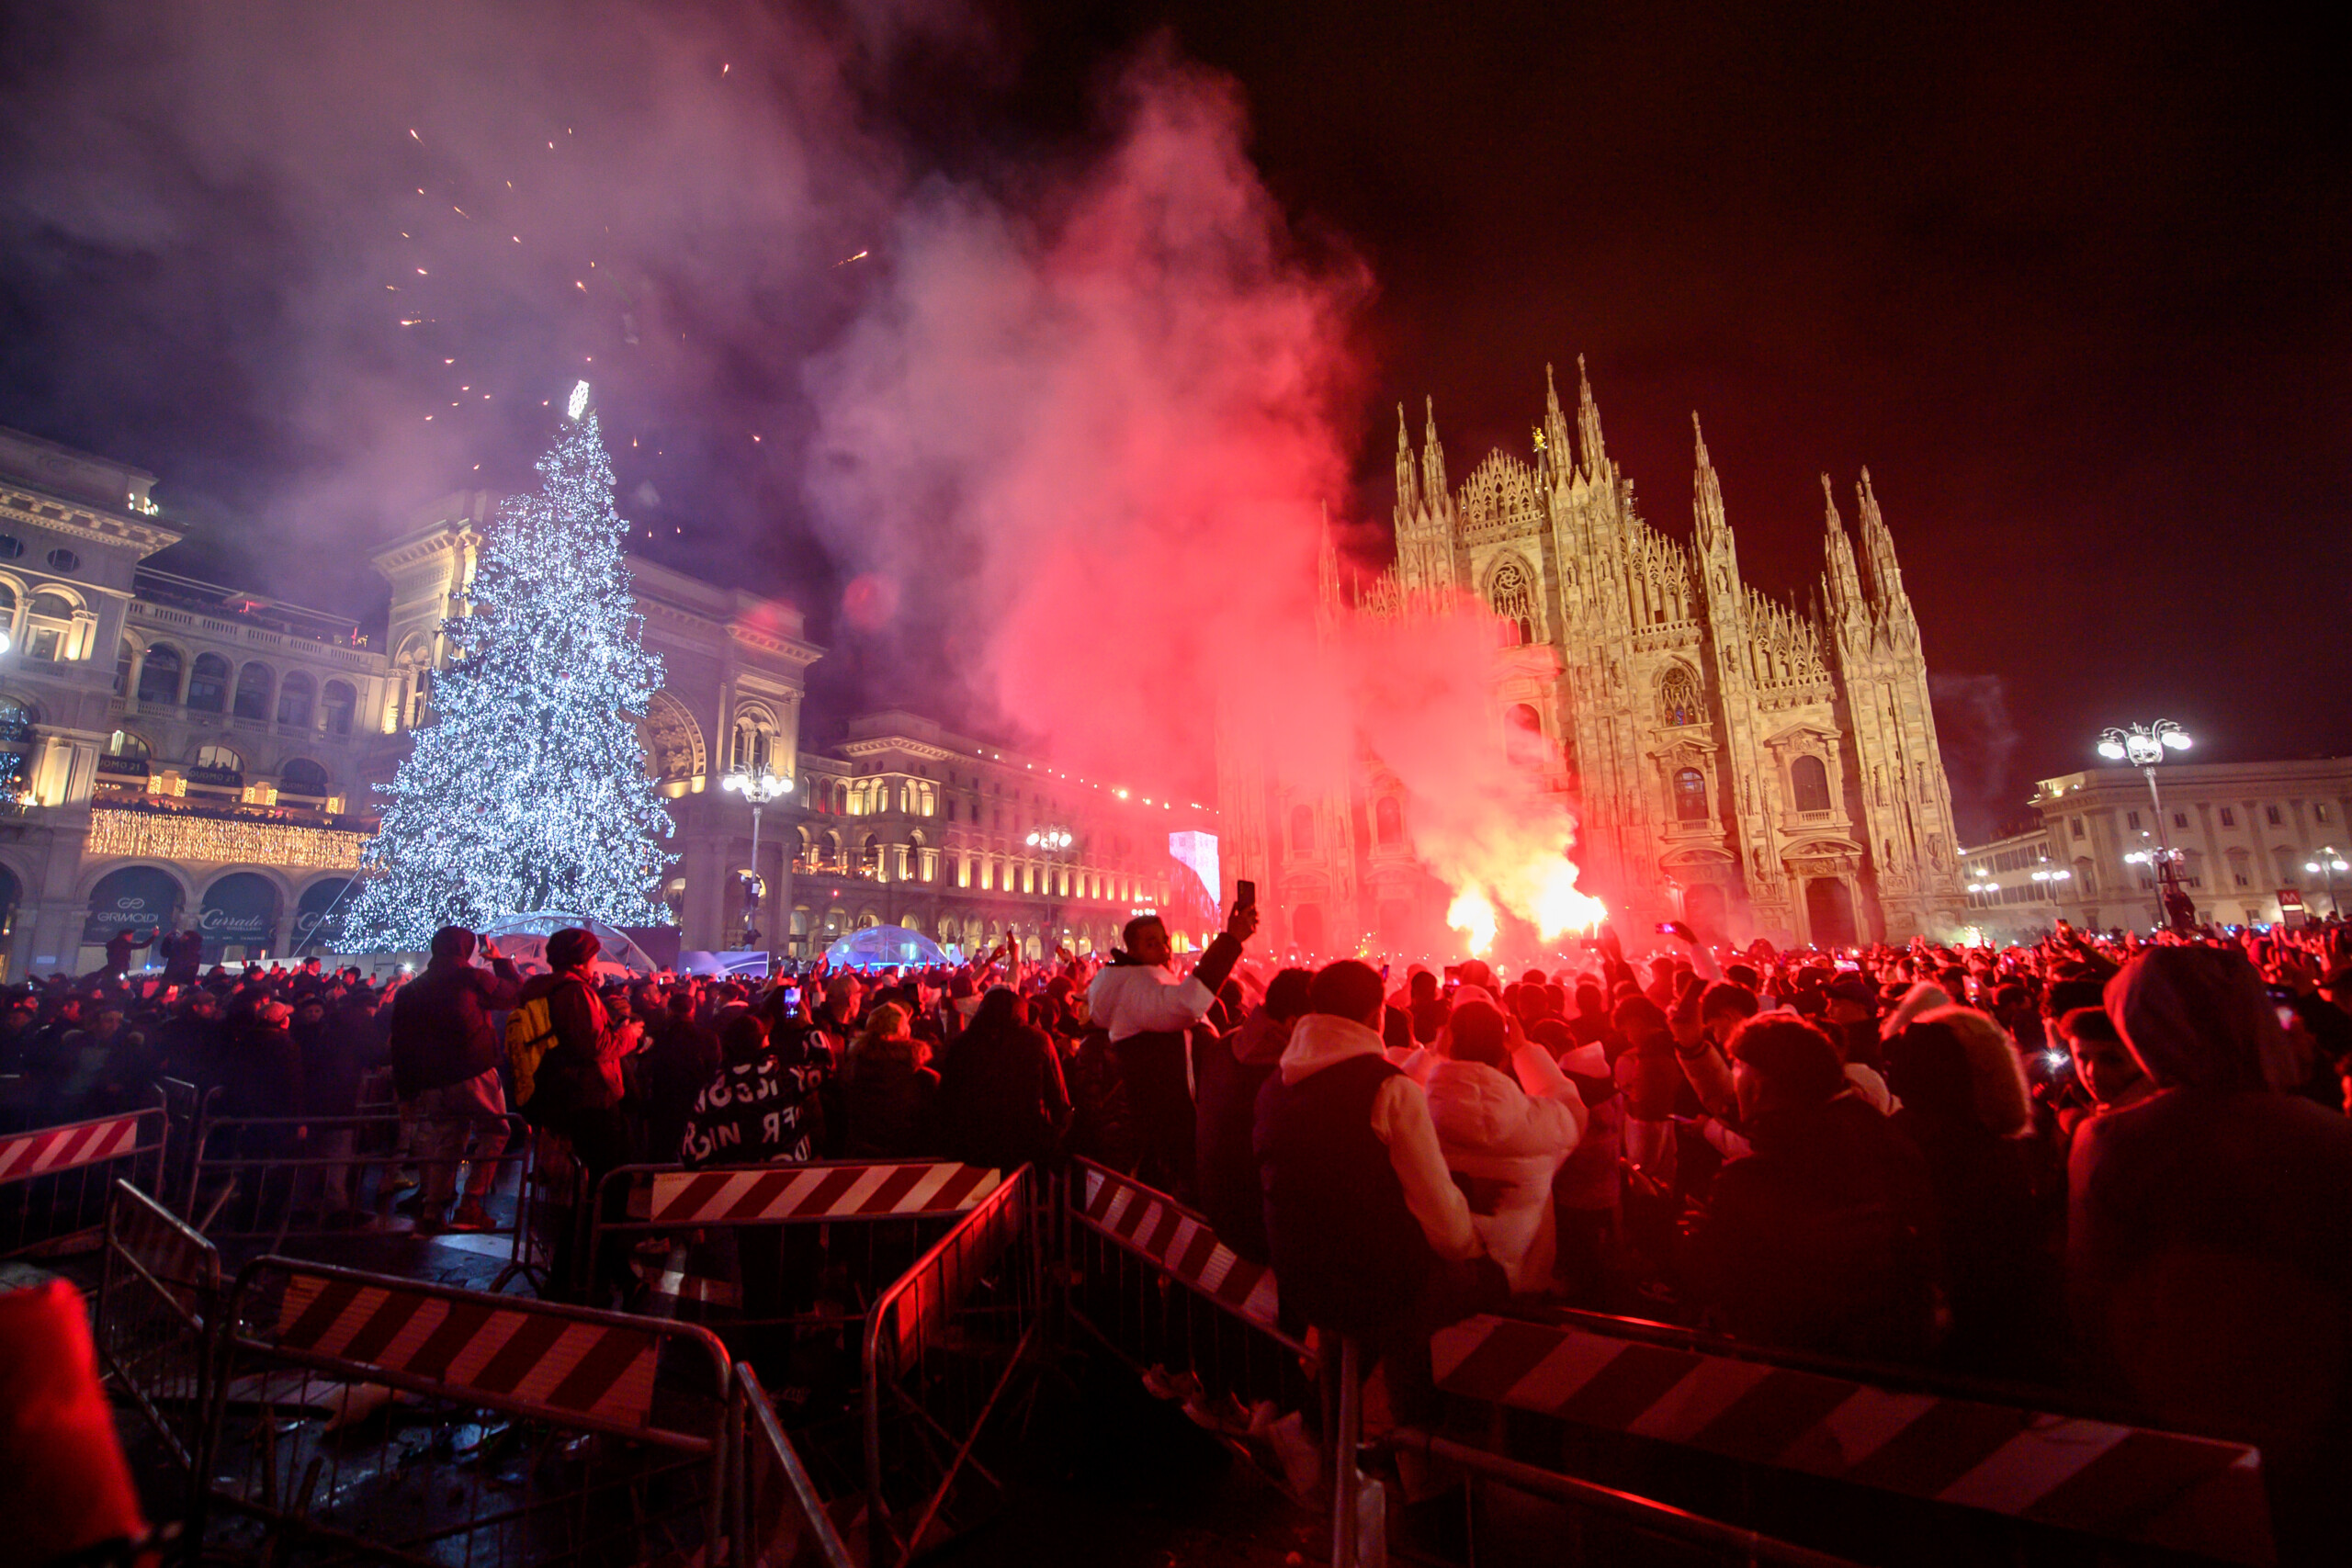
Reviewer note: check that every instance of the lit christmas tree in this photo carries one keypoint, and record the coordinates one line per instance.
(528, 789)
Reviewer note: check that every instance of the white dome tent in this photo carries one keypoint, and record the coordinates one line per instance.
(523, 939)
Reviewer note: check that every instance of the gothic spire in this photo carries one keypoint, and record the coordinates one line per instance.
(1588, 424)
(1878, 551)
(1408, 486)
(1707, 495)
(1561, 457)
(1844, 583)
(1433, 458)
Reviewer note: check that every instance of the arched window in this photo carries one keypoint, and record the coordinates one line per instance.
(158, 677)
(752, 746)
(207, 683)
(303, 776)
(1678, 697)
(252, 694)
(1389, 820)
(1689, 796)
(7, 605)
(125, 656)
(340, 701)
(217, 764)
(49, 627)
(1302, 830)
(1809, 781)
(295, 695)
(123, 743)
(1514, 598)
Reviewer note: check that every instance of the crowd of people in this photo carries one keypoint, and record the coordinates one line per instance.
(2116, 1164)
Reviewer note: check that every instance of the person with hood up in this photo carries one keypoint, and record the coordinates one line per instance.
(1145, 1012)
(1506, 1117)
(2209, 1237)
(1365, 1229)
(1228, 1073)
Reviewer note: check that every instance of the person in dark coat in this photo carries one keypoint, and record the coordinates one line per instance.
(183, 953)
(887, 1090)
(1148, 1013)
(1823, 1238)
(2209, 1237)
(679, 1061)
(1003, 1101)
(444, 1058)
(1997, 1268)
(1227, 1074)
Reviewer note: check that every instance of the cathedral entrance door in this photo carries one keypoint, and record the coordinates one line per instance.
(1703, 910)
(1829, 912)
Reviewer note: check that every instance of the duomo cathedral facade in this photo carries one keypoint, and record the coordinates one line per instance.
(1752, 767)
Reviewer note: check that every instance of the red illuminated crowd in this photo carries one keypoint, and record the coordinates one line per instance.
(2115, 1164)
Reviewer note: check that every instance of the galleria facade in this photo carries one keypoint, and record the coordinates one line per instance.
(1754, 768)
(186, 753)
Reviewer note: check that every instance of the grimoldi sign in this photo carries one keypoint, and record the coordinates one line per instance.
(136, 899)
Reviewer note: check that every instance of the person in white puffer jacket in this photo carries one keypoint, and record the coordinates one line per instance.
(1505, 1117)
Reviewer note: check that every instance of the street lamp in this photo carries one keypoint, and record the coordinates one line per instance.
(1050, 843)
(759, 786)
(2330, 862)
(2144, 746)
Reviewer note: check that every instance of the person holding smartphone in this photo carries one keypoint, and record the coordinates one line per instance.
(1146, 1009)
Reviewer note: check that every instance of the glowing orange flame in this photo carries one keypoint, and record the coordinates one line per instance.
(1472, 914)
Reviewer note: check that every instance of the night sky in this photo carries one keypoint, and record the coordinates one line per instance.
(2072, 283)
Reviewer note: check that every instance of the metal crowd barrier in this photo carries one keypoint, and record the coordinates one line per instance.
(184, 1106)
(515, 1431)
(943, 1346)
(273, 1178)
(1149, 1280)
(54, 1181)
(1850, 1459)
(159, 1295)
(869, 1220)
(783, 1522)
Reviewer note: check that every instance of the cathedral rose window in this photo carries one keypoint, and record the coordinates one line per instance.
(1514, 601)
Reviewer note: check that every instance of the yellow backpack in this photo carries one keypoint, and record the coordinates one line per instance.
(530, 1034)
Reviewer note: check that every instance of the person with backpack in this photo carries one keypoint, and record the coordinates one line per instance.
(445, 1062)
(566, 1052)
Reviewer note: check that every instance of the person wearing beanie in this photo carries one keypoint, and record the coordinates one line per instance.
(445, 1064)
(576, 1085)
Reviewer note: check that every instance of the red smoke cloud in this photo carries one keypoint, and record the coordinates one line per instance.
(1095, 440)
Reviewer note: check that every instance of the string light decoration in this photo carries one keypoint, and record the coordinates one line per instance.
(223, 840)
(527, 789)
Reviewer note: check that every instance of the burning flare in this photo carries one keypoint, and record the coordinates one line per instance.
(1472, 914)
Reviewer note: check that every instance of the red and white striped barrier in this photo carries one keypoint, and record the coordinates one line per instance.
(2187, 1493)
(568, 1368)
(47, 1150)
(1156, 1227)
(770, 1194)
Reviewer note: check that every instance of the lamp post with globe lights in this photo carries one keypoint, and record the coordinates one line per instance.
(2329, 863)
(1050, 843)
(759, 786)
(2145, 746)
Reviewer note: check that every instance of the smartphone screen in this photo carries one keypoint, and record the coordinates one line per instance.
(1245, 895)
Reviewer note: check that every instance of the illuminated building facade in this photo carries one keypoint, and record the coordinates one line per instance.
(906, 824)
(2258, 843)
(189, 753)
(1756, 769)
